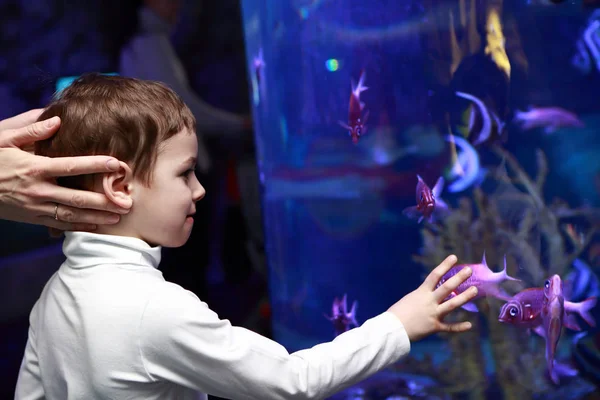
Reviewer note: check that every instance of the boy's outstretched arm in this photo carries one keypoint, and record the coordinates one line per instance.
(183, 341)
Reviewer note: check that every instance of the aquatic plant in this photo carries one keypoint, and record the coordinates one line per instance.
(514, 219)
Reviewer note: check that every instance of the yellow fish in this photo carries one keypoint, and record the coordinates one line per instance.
(496, 42)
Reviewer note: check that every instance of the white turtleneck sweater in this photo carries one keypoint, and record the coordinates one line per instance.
(108, 326)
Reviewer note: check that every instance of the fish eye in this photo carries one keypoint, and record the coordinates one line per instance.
(547, 284)
(513, 311)
(358, 131)
(421, 196)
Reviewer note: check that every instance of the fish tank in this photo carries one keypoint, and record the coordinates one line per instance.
(391, 134)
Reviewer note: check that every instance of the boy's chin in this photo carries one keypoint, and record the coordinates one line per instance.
(173, 244)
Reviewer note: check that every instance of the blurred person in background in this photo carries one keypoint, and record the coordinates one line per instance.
(150, 54)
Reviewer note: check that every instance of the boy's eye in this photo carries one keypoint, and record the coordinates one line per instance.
(188, 172)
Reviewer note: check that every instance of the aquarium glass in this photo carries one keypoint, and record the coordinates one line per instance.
(354, 101)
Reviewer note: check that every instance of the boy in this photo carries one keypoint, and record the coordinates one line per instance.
(108, 326)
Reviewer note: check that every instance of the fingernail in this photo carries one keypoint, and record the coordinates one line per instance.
(112, 164)
(51, 123)
(474, 290)
(469, 325)
(468, 270)
(113, 219)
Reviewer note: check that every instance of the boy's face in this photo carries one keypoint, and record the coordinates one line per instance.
(162, 213)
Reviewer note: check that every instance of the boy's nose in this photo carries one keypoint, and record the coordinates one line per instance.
(199, 192)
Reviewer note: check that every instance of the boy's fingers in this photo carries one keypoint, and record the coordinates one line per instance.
(434, 277)
(451, 284)
(457, 301)
(457, 327)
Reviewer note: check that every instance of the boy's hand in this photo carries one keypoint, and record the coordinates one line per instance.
(423, 310)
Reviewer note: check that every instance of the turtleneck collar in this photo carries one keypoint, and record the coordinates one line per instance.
(150, 22)
(84, 249)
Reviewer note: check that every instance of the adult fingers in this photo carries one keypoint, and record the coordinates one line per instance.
(82, 199)
(29, 134)
(70, 166)
(50, 222)
(457, 301)
(455, 327)
(434, 276)
(452, 284)
(73, 215)
(21, 120)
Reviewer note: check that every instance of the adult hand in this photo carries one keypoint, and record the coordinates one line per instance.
(423, 310)
(28, 189)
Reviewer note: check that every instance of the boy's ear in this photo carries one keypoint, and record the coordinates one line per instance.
(117, 186)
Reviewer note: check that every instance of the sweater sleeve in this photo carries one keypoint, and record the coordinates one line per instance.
(29, 383)
(184, 342)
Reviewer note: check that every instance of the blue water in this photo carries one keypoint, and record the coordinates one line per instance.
(333, 210)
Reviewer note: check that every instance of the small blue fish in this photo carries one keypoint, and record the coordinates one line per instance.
(581, 283)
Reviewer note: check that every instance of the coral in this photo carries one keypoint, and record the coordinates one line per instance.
(514, 220)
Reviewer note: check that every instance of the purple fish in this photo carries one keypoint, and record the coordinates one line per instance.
(553, 311)
(428, 201)
(356, 120)
(525, 310)
(549, 118)
(341, 318)
(486, 281)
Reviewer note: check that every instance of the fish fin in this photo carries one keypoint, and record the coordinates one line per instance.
(554, 375)
(358, 89)
(419, 178)
(563, 369)
(344, 305)
(470, 307)
(353, 313)
(583, 309)
(365, 119)
(412, 213)
(550, 129)
(505, 276)
(483, 261)
(362, 105)
(500, 294)
(438, 187)
(344, 125)
(570, 322)
(439, 203)
(540, 331)
(420, 219)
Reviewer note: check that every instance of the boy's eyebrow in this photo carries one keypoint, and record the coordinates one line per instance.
(190, 161)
